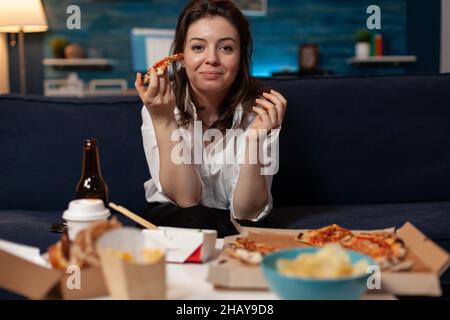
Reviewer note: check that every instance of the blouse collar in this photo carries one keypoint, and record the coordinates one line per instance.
(191, 109)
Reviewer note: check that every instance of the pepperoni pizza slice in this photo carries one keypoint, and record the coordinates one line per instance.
(385, 248)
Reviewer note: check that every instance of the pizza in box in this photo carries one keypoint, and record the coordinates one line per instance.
(385, 246)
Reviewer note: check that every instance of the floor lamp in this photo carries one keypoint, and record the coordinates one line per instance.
(20, 16)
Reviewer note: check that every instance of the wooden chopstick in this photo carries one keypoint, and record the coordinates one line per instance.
(133, 216)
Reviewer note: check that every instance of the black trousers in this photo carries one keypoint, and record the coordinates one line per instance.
(199, 217)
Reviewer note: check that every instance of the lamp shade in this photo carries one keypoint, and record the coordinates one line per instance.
(25, 15)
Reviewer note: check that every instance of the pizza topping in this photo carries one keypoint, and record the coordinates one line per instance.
(328, 234)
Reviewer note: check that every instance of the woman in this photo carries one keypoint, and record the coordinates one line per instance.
(214, 86)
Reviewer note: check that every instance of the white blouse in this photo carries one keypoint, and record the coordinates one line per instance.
(218, 179)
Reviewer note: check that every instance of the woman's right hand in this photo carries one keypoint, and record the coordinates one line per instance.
(158, 97)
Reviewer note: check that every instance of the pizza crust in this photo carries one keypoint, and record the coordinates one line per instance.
(248, 251)
(246, 256)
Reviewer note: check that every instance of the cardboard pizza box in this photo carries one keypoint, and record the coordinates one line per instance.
(28, 275)
(430, 261)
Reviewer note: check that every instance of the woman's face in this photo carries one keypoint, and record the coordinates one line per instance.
(212, 54)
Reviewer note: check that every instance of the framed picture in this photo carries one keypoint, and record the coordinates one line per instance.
(309, 57)
(252, 7)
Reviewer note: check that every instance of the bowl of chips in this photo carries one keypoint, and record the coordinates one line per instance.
(327, 273)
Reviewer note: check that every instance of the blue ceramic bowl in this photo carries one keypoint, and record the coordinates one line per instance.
(302, 288)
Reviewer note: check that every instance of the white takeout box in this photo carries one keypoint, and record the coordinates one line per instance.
(184, 245)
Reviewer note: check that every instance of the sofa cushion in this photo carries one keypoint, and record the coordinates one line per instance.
(42, 147)
(344, 140)
(364, 140)
(30, 228)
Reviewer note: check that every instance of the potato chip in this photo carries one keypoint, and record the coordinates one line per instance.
(330, 262)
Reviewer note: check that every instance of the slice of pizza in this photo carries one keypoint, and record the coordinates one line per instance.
(161, 65)
(384, 247)
(387, 249)
(327, 234)
(248, 251)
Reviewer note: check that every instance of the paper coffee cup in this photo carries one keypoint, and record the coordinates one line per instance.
(83, 212)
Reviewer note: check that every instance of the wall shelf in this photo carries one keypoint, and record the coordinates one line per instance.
(91, 63)
(385, 61)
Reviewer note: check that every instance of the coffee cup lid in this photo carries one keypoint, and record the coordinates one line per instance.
(86, 210)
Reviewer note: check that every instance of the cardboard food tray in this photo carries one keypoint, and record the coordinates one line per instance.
(430, 261)
(38, 282)
(27, 277)
(130, 276)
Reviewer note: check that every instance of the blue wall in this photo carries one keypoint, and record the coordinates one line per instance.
(329, 23)
(106, 25)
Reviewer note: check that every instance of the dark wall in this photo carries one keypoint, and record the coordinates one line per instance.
(33, 63)
(424, 34)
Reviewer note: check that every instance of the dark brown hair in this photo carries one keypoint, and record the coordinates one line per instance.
(244, 88)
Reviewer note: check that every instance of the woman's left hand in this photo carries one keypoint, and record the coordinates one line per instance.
(271, 111)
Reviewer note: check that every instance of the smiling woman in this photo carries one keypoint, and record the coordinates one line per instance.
(213, 87)
(215, 31)
(212, 60)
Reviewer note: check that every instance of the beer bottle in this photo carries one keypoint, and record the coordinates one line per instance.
(91, 184)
